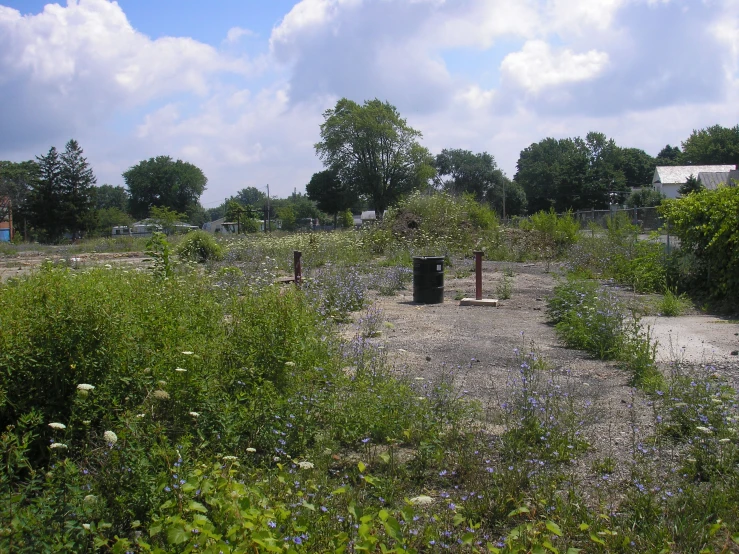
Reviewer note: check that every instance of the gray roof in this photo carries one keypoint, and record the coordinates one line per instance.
(713, 180)
(678, 174)
(733, 176)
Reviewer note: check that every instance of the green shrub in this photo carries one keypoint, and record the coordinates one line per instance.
(199, 246)
(563, 230)
(705, 222)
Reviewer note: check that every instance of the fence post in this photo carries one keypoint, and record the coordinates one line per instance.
(668, 238)
(297, 267)
(478, 274)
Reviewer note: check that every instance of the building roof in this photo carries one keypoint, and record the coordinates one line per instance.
(713, 179)
(733, 176)
(678, 174)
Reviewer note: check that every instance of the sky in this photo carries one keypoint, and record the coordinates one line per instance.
(239, 87)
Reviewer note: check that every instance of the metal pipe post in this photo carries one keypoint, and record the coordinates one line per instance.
(297, 267)
(478, 274)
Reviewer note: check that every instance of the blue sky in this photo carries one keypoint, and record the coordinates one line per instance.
(238, 87)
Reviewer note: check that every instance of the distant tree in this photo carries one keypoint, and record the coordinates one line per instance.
(45, 207)
(167, 218)
(287, 215)
(467, 172)
(196, 214)
(646, 197)
(509, 192)
(712, 145)
(669, 155)
(330, 194)
(16, 183)
(77, 180)
(373, 148)
(107, 218)
(251, 196)
(163, 182)
(636, 165)
(571, 173)
(346, 219)
(691, 185)
(243, 216)
(216, 213)
(108, 196)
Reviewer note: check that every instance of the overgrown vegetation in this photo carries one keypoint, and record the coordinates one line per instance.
(206, 409)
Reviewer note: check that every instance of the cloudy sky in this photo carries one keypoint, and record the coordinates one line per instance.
(237, 87)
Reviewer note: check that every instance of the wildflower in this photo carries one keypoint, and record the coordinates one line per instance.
(290, 364)
(230, 458)
(140, 415)
(86, 526)
(305, 465)
(110, 437)
(276, 459)
(58, 445)
(250, 449)
(194, 414)
(188, 353)
(179, 369)
(421, 500)
(161, 395)
(705, 430)
(57, 426)
(162, 383)
(724, 440)
(85, 387)
(90, 498)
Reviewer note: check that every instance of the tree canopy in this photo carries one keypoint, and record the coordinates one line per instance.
(163, 182)
(712, 145)
(330, 194)
(16, 181)
(576, 173)
(374, 151)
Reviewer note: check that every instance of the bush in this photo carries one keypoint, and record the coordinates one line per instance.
(706, 224)
(199, 246)
(563, 230)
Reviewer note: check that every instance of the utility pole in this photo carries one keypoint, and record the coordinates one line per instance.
(268, 221)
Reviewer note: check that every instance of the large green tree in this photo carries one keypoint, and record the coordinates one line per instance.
(251, 196)
(712, 145)
(163, 182)
(330, 194)
(45, 203)
(77, 181)
(16, 182)
(374, 150)
(669, 155)
(637, 167)
(108, 196)
(573, 173)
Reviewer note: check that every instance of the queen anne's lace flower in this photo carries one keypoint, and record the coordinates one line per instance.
(110, 437)
(180, 369)
(230, 458)
(57, 425)
(194, 414)
(85, 386)
(161, 395)
(305, 465)
(56, 445)
(250, 449)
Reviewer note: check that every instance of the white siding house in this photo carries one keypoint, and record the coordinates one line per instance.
(667, 179)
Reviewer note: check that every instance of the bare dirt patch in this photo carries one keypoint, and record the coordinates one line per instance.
(476, 345)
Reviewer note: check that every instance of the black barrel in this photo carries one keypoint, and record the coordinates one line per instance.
(428, 279)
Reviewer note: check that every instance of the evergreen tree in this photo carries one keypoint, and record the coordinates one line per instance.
(45, 203)
(77, 181)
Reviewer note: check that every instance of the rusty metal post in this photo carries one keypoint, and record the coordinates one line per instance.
(297, 267)
(478, 274)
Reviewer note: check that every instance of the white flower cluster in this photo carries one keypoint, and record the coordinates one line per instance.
(421, 500)
(110, 437)
(305, 465)
(57, 425)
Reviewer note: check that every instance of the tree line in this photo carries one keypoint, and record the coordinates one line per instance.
(370, 152)
(372, 158)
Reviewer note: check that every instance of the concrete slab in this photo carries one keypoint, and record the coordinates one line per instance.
(490, 302)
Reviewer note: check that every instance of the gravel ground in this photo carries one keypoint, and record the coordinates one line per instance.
(477, 344)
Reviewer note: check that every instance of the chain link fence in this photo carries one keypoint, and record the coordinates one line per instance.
(647, 219)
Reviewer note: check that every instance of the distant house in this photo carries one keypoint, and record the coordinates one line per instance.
(220, 226)
(6, 224)
(668, 179)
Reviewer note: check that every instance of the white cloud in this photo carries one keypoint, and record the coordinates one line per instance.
(235, 33)
(537, 67)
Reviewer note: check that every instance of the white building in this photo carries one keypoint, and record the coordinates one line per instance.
(668, 179)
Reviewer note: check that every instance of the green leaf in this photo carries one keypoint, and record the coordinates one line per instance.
(520, 510)
(361, 467)
(573, 550)
(596, 539)
(177, 534)
(385, 457)
(340, 490)
(554, 528)
(584, 527)
(384, 514)
(196, 507)
(735, 538)
(549, 546)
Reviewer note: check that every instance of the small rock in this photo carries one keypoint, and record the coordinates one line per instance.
(537, 309)
(428, 358)
(540, 300)
(735, 352)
